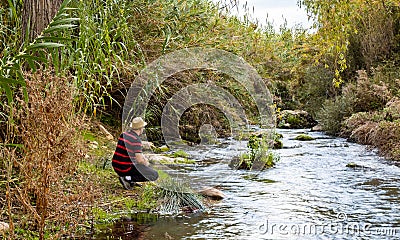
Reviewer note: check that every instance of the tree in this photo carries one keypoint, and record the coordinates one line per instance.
(36, 16)
(337, 21)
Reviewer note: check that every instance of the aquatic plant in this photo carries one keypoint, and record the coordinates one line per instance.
(169, 196)
(175, 196)
(259, 155)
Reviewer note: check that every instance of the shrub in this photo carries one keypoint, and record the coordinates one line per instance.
(386, 137)
(368, 93)
(392, 110)
(364, 132)
(372, 129)
(333, 112)
(363, 96)
(48, 160)
(316, 87)
(259, 156)
(175, 196)
(354, 121)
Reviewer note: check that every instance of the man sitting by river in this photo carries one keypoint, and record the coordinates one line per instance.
(128, 161)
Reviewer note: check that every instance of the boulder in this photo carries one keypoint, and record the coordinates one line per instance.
(304, 137)
(295, 119)
(278, 144)
(162, 159)
(238, 163)
(354, 165)
(108, 135)
(147, 145)
(317, 128)
(212, 193)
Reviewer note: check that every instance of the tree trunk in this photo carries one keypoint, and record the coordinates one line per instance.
(36, 15)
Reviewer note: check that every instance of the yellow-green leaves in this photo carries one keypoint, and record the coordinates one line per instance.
(338, 20)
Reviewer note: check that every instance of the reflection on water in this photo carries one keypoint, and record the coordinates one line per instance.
(309, 194)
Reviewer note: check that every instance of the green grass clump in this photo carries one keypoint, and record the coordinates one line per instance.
(258, 157)
(161, 149)
(102, 216)
(88, 136)
(179, 153)
(148, 198)
(169, 196)
(304, 137)
(176, 196)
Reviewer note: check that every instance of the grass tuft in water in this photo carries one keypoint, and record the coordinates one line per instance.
(176, 196)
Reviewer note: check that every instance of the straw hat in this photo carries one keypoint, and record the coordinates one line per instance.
(138, 123)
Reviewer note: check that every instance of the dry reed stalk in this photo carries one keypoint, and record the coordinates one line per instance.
(50, 193)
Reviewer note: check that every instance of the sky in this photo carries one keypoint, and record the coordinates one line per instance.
(276, 11)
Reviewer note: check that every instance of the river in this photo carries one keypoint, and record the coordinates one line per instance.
(309, 194)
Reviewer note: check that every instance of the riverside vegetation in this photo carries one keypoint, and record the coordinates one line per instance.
(345, 73)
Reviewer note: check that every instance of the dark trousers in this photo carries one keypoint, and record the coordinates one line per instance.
(141, 173)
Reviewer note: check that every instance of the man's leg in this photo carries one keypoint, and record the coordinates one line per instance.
(142, 173)
(125, 178)
(127, 184)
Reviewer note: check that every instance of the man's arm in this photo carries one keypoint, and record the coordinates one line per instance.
(141, 159)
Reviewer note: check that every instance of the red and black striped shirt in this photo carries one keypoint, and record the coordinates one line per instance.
(128, 144)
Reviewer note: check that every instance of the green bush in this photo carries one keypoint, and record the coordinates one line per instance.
(259, 156)
(366, 94)
(315, 88)
(333, 112)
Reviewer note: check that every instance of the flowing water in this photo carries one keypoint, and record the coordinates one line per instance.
(309, 194)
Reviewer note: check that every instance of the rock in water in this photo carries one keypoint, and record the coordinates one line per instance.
(212, 193)
(304, 137)
(163, 148)
(4, 227)
(147, 145)
(162, 159)
(317, 128)
(354, 165)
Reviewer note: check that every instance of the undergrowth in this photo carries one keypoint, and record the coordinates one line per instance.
(367, 111)
(47, 160)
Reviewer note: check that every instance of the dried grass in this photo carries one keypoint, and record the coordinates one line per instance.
(353, 122)
(387, 139)
(363, 134)
(44, 185)
(384, 135)
(366, 93)
(392, 109)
